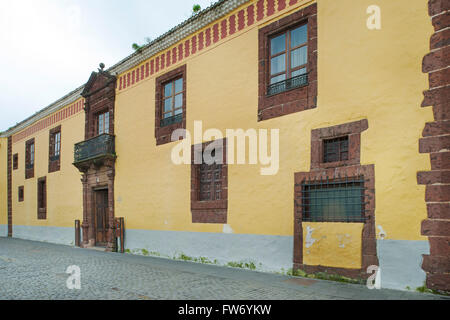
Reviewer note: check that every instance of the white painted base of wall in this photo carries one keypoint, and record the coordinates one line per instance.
(57, 235)
(3, 230)
(268, 253)
(401, 263)
(400, 260)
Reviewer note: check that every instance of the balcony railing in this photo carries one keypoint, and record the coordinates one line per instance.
(54, 158)
(292, 83)
(102, 145)
(171, 120)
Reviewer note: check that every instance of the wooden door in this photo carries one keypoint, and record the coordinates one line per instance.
(101, 217)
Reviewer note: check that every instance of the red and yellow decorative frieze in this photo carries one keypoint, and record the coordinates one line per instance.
(54, 118)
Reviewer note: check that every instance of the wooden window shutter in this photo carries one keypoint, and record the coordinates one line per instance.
(42, 198)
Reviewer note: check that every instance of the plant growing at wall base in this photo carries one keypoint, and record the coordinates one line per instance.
(323, 276)
(242, 265)
(424, 289)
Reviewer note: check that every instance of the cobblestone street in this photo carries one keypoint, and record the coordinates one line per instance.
(35, 270)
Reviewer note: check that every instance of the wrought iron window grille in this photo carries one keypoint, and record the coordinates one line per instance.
(171, 120)
(337, 200)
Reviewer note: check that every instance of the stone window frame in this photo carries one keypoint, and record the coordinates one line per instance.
(215, 211)
(352, 169)
(297, 99)
(100, 97)
(20, 194)
(54, 164)
(163, 134)
(352, 130)
(368, 247)
(29, 172)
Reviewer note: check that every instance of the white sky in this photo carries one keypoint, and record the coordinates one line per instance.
(50, 47)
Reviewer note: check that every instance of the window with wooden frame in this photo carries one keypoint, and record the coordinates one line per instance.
(42, 198)
(209, 184)
(20, 195)
(16, 161)
(55, 150)
(335, 150)
(287, 67)
(170, 104)
(103, 123)
(29, 158)
(288, 59)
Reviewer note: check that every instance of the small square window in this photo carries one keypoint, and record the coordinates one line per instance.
(335, 150)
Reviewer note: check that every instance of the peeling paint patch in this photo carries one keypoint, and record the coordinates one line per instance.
(309, 239)
(382, 233)
(332, 244)
(344, 239)
(227, 229)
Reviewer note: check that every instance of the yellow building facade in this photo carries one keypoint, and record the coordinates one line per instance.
(335, 86)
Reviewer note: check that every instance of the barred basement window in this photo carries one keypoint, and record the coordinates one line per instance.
(335, 150)
(339, 200)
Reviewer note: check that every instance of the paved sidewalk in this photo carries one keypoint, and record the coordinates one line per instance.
(36, 270)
